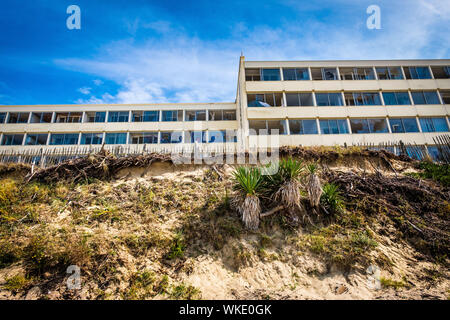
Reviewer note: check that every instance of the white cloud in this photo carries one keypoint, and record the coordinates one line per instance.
(180, 68)
(97, 82)
(84, 90)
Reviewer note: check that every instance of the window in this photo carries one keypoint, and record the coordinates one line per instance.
(171, 137)
(220, 115)
(425, 97)
(264, 100)
(435, 153)
(270, 74)
(36, 139)
(441, 72)
(195, 136)
(118, 116)
(95, 116)
(299, 99)
(91, 138)
(195, 115)
(433, 124)
(68, 117)
(63, 138)
(41, 117)
(2, 117)
(357, 73)
(389, 73)
(143, 137)
(267, 127)
(417, 73)
(324, 73)
(145, 116)
(369, 125)
(216, 136)
(116, 138)
(329, 99)
(172, 115)
(18, 117)
(445, 96)
(252, 75)
(396, 98)
(295, 74)
(362, 99)
(303, 127)
(333, 126)
(12, 139)
(402, 125)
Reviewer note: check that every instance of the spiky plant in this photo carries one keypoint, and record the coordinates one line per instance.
(313, 185)
(331, 198)
(284, 185)
(248, 183)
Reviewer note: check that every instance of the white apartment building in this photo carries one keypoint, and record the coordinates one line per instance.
(296, 103)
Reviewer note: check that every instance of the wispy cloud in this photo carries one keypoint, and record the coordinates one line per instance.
(178, 67)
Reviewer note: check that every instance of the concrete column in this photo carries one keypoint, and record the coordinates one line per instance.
(380, 92)
(349, 126)
(314, 98)
(411, 98)
(388, 124)
(418, 124)
(440, 97)
(318, 125)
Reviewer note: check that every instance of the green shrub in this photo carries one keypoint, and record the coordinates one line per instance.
(436, 171)
(248, 181)
(331, 198)
(178, 246)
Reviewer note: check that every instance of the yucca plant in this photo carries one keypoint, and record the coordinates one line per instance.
(313, 185)
(284, 186)
(248, 184)
(331, 198)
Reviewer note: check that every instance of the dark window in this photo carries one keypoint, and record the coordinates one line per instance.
(402, 125)
(116, 138)
(172, 115)
(91, 138)
(145, 116)
(264, 100)
(68, 117)
(267, 127)
(369, 125)
(324, 74)
(299, 99)
(41, 117)
(171, 137)
(433, 124)
(445, 95)
(295, 74)
(143, 137)
(96, 116)
(329, 99)
(362, 99)
(270, 74)
(436, 153)
(417, 73)
(357, 73)
(425, 97)
(118, 116)
(36, 139)
(12, 139)
(195, 115)
(303, 127)
(18, 117)
(441, 72)
(63, 138)
(396, 98)
(2, 117)
(252, 75)
(389, 73)
(196, 136)
(333, 126)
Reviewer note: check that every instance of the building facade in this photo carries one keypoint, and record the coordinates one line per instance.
(306, 103)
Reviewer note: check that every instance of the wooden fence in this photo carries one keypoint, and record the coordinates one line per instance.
(43, 157)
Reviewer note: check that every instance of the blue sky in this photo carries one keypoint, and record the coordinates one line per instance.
(140, 51)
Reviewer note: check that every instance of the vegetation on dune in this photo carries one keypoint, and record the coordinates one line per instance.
(133, 239)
